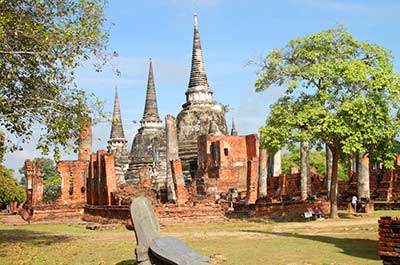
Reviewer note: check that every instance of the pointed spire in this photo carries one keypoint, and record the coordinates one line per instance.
(150, 108)
(198, 76)
(117, 131)
(233, 130)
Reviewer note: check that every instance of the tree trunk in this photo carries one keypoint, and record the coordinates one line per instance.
(363, 176)
(333, 190)
(2, 144)
(304, 169)
(328, 168)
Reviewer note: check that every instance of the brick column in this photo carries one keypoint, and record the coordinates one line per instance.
(172, 153)
(34, 181)
(182, 195)
(85, 148)
(252, 181)
(111, 177)
(262, 179)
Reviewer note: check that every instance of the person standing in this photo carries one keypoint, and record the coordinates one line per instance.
(354, 203)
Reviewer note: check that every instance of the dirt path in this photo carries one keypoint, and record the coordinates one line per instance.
(12, 219)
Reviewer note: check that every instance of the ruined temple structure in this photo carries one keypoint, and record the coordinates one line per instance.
(34, 182)
(198, 111)
(233, 129)
(224, 162)
(74, 173)
(117, 143)
(148, 153)
(102, 180)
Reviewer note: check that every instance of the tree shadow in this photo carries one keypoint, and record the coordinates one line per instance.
(127, 262)
(31, 237)
(356, 247)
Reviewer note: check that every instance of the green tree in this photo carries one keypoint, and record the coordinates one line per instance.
(52, 188)
(9, 190)
(317, 160)
(338, 90)
(42, 42)
(49, 169)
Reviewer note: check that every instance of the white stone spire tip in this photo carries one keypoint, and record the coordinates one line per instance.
(195, 20)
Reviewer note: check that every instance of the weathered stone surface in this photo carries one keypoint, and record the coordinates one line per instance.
(174, 251)
(149, 144)
(198, 112)
(233, 129)
(117, 143)
(146, 227)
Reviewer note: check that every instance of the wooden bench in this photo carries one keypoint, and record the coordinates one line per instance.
(154, 249)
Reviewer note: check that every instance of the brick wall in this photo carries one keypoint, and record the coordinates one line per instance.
(73, 181)
(102, 180)
(223, 162)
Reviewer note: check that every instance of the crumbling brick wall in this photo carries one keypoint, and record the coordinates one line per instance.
(223, 162)
(73, 181)
(102, 180)
(34, 182)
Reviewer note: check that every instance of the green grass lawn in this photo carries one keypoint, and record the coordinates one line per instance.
(343, 241)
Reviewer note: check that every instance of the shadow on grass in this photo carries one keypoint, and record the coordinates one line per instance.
(362, 248)
(127, 262)
(31, 237)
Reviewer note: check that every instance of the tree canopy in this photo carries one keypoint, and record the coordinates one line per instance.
(41, 43)
(338, 90)
(9, 189)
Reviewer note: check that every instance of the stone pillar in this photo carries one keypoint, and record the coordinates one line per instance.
(252, 181)
(363, 176)
(34, 181)
(262, 179)
(277, 168)
(172, 153)
(181, 192)
(85, 148)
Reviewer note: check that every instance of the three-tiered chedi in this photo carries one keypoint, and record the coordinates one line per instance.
(199, 110)
(118, 144)
(148, 151)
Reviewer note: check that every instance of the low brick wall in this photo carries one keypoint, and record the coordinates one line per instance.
(165, 213)
(389, 239)
(292, 208)
(50, 213)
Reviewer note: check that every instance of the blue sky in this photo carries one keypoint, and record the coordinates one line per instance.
(232, 34)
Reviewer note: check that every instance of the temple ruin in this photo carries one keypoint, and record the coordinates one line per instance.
(190, 168)
(148, 152)
(199, 110)
(117, 144)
